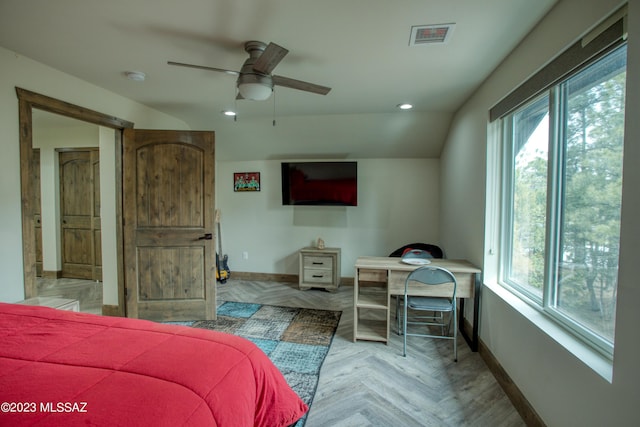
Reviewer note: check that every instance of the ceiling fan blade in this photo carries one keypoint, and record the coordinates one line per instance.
(271, 57)
(300, 85)
(202, 67)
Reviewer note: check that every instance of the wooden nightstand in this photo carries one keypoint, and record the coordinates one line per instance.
(319, 268)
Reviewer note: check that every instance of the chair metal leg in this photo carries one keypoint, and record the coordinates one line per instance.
(455, 335)
(404, 327)
(449, 324)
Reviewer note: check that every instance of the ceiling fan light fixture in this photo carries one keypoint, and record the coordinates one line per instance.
(255, 91)
(255, 87)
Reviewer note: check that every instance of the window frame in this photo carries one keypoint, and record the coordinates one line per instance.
(508, 186)
(546, 304)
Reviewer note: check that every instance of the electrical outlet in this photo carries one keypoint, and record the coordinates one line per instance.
(245, 255)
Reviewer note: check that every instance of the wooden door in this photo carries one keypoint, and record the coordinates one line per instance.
(79, 217)
(168, 224)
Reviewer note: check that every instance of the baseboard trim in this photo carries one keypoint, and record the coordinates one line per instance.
(112, 310)
(522, 405)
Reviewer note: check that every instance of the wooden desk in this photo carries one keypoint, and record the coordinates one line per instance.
(377, 278)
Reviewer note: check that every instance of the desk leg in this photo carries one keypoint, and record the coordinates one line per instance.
(473, 341)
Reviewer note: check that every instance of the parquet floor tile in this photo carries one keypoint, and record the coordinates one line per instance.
(371, 384)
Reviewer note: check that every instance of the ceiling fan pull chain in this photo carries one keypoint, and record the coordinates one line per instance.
(235, 106)
(274, 106)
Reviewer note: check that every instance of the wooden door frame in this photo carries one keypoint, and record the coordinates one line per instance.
(28, 100)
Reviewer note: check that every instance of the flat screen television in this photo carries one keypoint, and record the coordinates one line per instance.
(320, 183)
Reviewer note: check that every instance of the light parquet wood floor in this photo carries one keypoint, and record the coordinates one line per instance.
(367, 383)
(372, 384)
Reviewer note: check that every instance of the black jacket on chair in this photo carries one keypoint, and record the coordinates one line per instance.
(434, 250)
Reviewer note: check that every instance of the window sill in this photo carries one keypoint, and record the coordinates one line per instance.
(590, 357)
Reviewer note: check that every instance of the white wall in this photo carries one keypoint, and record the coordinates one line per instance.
(16, 70)
(397, 204)
(398, 197)
(562, 389)
(108, 218)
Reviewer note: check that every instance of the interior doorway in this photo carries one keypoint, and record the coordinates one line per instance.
(110, 129)
(200, 241)
(67, 197)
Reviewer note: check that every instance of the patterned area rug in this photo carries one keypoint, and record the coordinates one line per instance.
(296, 340)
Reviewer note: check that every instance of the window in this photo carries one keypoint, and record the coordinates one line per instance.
(562, 186)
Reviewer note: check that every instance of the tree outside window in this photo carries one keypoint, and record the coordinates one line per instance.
(563, 182)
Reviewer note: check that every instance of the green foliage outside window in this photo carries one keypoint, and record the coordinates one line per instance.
(564, 195)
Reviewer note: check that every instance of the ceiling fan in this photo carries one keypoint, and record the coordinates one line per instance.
(255, 81)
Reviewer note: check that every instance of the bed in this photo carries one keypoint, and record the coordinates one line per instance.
(66, 368)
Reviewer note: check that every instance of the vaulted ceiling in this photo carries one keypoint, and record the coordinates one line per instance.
(359, 48)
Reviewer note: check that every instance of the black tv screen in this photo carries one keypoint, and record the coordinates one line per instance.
(320, 183)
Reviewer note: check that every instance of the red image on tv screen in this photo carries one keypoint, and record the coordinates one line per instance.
(320, 183)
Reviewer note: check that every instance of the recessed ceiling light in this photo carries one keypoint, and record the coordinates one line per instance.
(136, 76)
(405, 106)
(229, 113)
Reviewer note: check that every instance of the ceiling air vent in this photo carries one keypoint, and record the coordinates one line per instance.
(427, 34)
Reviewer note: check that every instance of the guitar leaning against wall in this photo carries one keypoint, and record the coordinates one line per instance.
(222, 261)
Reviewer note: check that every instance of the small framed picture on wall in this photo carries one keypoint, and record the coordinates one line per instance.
(246, 181)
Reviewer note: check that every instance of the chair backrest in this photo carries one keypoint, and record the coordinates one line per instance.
(431, 275)
(434, 250)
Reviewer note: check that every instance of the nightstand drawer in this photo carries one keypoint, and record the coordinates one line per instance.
(312, 275)
(318, 262)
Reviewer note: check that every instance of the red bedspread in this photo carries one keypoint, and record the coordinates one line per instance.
(60, 368)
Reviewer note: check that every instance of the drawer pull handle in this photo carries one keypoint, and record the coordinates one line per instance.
(317, 263)
(317, 275)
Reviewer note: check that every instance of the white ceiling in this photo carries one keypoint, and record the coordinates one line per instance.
(359, 48)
